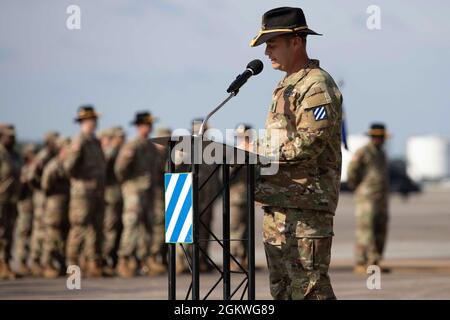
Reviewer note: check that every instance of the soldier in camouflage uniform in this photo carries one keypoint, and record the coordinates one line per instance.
(85, 164)
(238, 209)
(35, 174)
(158, 248)
(136, 168)
(56, 185)
(303, 133)
(368, 175)
(24, 221)
(112, 140)
(10, 164)
(208, 191)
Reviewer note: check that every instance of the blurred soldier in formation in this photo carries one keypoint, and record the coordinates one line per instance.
(368, 175)
(238, 200)
(56, 185)
(10, 164)
(35, 174)
(135, 168)
(158, 249)
(85, 165)
(24, 221)
(207, 192)
(112, 140)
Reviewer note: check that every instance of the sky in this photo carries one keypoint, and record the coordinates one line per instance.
(177, 57)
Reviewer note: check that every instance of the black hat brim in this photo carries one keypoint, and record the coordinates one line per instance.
(265, 36)
(81, 119)
(137, 122)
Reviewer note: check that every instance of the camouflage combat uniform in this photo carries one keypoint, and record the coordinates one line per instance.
(9, 187)
(112, 225)
(135, 168)
(24, 221)
(158, 249)
(368, 174)
(238, 215)
(38, 230)
(303, 131)
(86, 167)
(56, 185)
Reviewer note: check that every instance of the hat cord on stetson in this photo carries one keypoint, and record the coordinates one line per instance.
(377, 131)
(262, 31)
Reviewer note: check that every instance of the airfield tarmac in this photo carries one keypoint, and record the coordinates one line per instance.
(417, 251)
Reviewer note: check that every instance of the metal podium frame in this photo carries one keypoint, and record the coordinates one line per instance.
(193, 259)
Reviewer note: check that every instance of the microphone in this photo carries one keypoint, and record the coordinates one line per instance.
(253, 68)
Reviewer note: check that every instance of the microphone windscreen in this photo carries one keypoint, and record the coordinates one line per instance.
(256, 66)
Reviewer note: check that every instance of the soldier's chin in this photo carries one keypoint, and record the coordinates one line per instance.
(276, 66)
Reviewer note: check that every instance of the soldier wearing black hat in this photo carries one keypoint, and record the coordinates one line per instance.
(303, 133)
(136, 167)
(86, 167)
(368, 175)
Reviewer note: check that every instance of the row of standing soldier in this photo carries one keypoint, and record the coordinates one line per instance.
(94, 202)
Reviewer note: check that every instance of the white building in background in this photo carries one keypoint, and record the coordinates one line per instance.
(354, 143)
(428, 158)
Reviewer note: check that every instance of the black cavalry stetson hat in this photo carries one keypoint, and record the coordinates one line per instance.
(280, 21)
(144, 117)
(86, 112)
(378, 130)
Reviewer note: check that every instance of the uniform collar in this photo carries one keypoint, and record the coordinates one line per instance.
(296, 77)
(88, 136)
(141, 140)
(374, 148)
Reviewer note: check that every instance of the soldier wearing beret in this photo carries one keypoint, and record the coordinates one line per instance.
(303, 134)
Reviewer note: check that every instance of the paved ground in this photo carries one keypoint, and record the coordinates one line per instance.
(418, 251)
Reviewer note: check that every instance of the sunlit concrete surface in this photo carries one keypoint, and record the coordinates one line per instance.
(418, 253)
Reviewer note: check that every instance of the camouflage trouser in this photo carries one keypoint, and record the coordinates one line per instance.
(238, 230)
(8, 214)
(38, 231)
(86, 223)
(298, 250)
(371, 229)
(23, 229)
(158, 247)
(112, 223)
(135, 238)
(56, 228)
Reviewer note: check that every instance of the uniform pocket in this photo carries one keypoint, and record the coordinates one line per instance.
(313, 224)
(314, 254)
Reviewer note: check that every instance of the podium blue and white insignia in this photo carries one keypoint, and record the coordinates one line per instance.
(178, 205)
